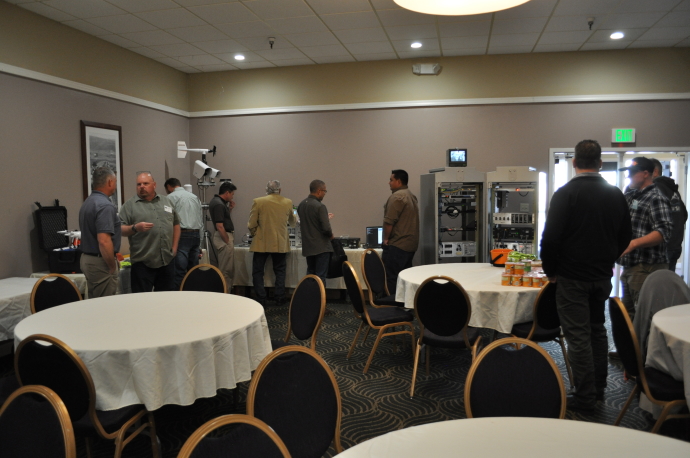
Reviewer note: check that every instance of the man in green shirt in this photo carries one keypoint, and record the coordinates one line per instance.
(152, 226)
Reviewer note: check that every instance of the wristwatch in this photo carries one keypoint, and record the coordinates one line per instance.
(134, 228)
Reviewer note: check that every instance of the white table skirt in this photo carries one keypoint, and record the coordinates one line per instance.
(493, 306)
(518, 438)
(159, 348)
(123, 286)
(15, 303)
(668, 349)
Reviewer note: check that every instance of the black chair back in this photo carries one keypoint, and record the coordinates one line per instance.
(442, 306)
(204, 277)
(295, 393)
(624, 337)
(374, 273)
(51, 291)
(307, 307)
(354, 289)
(34, 423)
(54, 366)
(545, 308)
(505, 382)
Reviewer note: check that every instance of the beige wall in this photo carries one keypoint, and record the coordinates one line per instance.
(34, 42)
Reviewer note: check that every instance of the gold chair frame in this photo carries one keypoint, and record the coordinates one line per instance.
(41, 280)
(473, 348)
(215, 423)
(321, 314)
(59, 408)
(251, 394)
(666, 405)
(370, 294)
(120, 436)
(205, 266)
(516, 342)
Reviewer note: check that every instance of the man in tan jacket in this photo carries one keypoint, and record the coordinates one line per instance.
(268, 223)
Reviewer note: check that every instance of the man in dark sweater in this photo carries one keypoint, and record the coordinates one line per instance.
(587, 228)
(679, 213)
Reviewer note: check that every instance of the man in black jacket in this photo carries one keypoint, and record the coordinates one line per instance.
(587, 228)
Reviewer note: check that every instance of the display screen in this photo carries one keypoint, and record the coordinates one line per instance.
(457, 158)
(374, 236)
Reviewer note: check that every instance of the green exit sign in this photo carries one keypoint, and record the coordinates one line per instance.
(623, 135)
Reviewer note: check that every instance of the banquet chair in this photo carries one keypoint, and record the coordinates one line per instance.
(45, 360)
(34, 423)
(374, 273)
(443, 310)
(295, 393)
(546, 325)
(249, 437)
(204, 277)
(661, 389)
(307, 308)
(505, 381)
(380, 319)
(52, 290)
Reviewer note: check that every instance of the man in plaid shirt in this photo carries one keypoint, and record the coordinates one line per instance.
(650, 212)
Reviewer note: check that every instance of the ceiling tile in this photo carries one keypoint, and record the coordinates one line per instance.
(604, 36)
(89, 28)
(248, 57)
(217, 68)
(378, 47)
(351, 20)
(198, 34)
(170, 62)
(85, 8)
(653, 44)
(204, 59)
(416, 54)
(137, 6)
(333, 59)
(525, 25)
(675, 19)
(646, 6)
(361, 35)
(122, 23)
(293, 62)
(464, 42)
(188, 69)
(561, 47)
(459, 19)
(684, 43)
(428, 44)
(17, 2)
(509, 49)
(261, 43)
(172, 19)
(152, 38)
(246, 29)
(465, 52)
(179, 49)
(48, 11)
(189, 3)
(369, 57)
(553, 38)
(225, 13)
(118, 40)
(247, 65)
(312, 39)
(281, 54)
(220, 46)
(533, 8)
(585, 8)
(412, 32)
(464, 29)
(148, 52)
(392, 18)
(571, 24)
(683, 6)
(666, 33)
(297, 25)
(327, 50)
(339, 6)
(385, 4)
(631, 20)
(278, 9)
(514, 40)
(602, 46)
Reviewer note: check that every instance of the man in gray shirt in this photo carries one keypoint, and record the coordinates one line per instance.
(100, 235)
(316, 230)
(188, 208)
(152, 226)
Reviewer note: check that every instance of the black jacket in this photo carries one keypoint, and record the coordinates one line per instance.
(587, 228)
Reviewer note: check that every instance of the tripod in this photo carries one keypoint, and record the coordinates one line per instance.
(203, 184)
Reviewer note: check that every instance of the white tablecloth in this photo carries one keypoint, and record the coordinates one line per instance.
(519, 438)
(159, 348)
(669, 344)
(15, 303)
(123, 286)
(493, 306)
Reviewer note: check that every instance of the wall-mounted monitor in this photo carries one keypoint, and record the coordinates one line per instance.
(374, 236)
(457, 157)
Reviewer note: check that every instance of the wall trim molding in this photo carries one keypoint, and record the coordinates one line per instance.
(30, 74)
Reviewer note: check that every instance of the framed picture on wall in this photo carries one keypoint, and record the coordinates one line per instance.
(101, 146)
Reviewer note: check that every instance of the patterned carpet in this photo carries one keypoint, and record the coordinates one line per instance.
(377, 402)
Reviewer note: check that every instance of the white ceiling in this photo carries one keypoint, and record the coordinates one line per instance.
(205, 35)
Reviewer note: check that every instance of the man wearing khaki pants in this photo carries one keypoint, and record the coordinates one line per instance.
(223, 239)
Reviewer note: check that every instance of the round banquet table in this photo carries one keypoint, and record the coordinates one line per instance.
(159, 348)
(518, 438)
(668, 348)
(494, 306)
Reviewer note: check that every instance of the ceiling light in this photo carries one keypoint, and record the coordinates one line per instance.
(239, 57)
(416, 44)
(617, 35)
(458, 7)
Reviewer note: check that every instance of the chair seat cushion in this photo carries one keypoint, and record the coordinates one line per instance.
(112, 420)
(540, 334)
(388, 300)
(276, 344)
(388, 315)
(454, 341)
(662, 386)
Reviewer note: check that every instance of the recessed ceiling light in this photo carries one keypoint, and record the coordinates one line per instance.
(239, 57)
(416, 44)
(457, 7)
(617, 35)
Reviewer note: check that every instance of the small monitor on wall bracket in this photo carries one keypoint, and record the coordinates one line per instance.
(457, 157)
(374, 236)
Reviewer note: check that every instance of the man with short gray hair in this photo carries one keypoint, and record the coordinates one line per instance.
(268, 222)
(100, 235)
